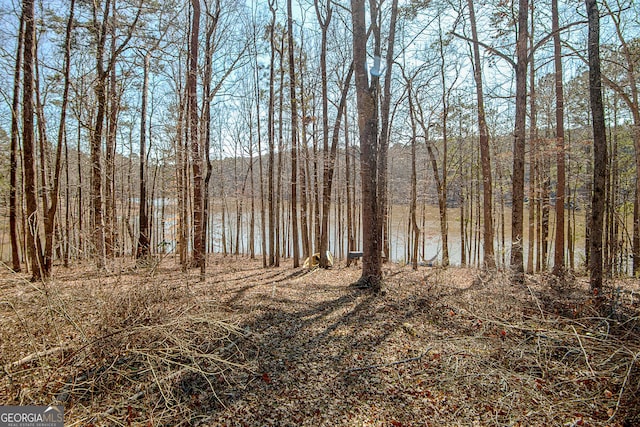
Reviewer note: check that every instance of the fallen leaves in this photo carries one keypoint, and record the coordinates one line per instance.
(323, 354)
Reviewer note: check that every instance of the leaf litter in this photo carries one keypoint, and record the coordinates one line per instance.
(153, 346)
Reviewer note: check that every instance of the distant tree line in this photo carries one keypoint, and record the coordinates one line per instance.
(288, 128)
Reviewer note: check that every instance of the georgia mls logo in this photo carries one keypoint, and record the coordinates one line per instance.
(31, 416)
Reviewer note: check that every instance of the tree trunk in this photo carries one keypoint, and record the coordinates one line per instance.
(278, 215)
(252, 214)
(263, 214)
(533, 151)
(385, 128)
(196, 152)
(414, 185)
(517, 264)
(440, 185)
(142, 250)
(294, 140)
(348, 188)
(367, 102)
(545, 182)
(463, 246)
(558, 259)
(181, 184)
(280, 229)
(485, 153)
(33, 243)
(599, 147)
(636, 212)
(43, 151)
(442, 200)
(50, 218)
(110, 147)
(306, 202)
(328, 162)
(271, 138)
(213, 19)
(67, 212)
(13, 154)
(96, 139)
(329, 170)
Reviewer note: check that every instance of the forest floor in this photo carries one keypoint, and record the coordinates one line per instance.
(153, 346)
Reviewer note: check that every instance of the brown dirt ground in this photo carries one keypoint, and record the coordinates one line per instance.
(152, 346)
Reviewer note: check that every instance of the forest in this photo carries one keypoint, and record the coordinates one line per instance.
(211, 210)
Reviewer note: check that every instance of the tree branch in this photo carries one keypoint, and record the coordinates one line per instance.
(612, 85)
(487, 47)
(550, 35)
(385, 365)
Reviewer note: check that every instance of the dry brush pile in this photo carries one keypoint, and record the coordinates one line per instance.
(114, 348)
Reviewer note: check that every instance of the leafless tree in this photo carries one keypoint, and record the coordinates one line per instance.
(294, 139)
(33, 243)
(558, 259)
(599, 147)
(13, 154)
(485, 152)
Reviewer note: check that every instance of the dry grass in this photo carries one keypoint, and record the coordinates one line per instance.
(152, 346)
(129, 343)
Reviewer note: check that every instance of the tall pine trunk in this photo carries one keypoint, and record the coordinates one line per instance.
(599, 148)
(110, 146)
(517, 261)
(533, 152)
(263, 213)
(13, 154)
(485, 153)
(142, 250)
(294, 139)
(33, 243)
(50, 217)
(273, 243)
(97, 217)
(328, 162)
(558, 259)
(385, 128)
(194, 141)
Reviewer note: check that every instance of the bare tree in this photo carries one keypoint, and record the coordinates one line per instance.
(367, 102)
(534, 156)
(558, 259)
(142, 250)
(385, 121)
(271, 137)
(517, 261)
(294, 139)
(485, 151)
(442, 189)
(213, 18)
(373, 146)
(324, 13)
(110, 230)
(199, 256)
(414, 185)
(599, 147)
(33, 243)
(13, 154)
(51, 210)
(258, 98)
(100, 88)
(96, 137)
